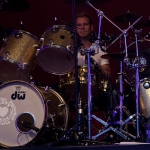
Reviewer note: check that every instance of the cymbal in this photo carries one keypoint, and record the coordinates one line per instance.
(145, 23)
(14, 5)
(83, 2)
(116, 56)
(127, 17)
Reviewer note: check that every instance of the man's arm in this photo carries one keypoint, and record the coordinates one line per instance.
(106, 69)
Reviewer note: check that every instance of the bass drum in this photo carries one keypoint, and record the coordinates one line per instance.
(18, 56)
(25, 110)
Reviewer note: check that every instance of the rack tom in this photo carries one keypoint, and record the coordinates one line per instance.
(56, 53)
(18, 56)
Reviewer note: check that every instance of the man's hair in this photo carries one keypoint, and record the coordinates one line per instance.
(84, 14)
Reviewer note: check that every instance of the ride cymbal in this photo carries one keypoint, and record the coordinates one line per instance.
(83, 2)
(127, 17)
(14, 5)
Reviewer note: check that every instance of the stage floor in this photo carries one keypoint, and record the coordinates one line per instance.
(114, 146)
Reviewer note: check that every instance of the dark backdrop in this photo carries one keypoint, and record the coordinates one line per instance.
(41, 15)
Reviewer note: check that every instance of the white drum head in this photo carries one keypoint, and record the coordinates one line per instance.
(20, 102)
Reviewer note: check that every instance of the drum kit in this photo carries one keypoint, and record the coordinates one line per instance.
(27, 111)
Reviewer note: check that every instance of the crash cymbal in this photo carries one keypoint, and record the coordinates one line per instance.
(116, 56)
(145, 23)
(14, 5)
(127, 17)
(83, 2)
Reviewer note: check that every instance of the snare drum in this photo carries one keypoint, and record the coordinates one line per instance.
(18, 56)
(24, 104)
(56, 53)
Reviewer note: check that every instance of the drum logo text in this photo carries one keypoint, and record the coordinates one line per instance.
(18, 94)
(7, 111)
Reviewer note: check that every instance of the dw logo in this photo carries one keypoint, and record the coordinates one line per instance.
(20, 95)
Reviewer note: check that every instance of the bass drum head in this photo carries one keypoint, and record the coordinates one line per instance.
(20, 102)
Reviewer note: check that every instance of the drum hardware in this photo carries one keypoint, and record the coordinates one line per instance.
(108, 125)
(137, 66)
(27, 124)
(124, 32)
(119, 132)
(120, 56)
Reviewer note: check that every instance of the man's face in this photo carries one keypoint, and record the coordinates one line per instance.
(83, 27)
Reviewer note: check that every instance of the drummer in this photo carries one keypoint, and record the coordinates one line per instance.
(84, 29)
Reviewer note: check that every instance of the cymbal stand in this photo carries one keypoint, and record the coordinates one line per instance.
(88, 53)
(136, 64)
(106, 125)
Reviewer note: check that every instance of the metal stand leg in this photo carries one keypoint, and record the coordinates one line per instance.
(107, 128)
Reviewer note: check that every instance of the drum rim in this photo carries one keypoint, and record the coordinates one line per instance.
(27, 33)
(54, 46)
(13, 62)
(57, 26)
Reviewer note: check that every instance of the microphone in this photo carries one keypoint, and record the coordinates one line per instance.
(28, 125)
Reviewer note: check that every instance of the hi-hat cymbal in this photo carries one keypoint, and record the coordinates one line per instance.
(14, 5)
(116, 56)
(83, 2)
(127, 17)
